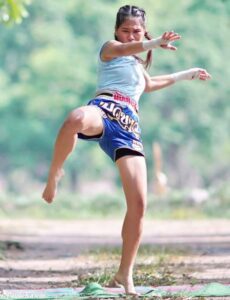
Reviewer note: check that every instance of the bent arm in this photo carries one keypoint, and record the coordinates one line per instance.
(160, 82)
(115, 48)
(157, 82)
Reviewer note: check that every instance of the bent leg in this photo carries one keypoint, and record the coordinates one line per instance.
(134, 180)
(86, 120)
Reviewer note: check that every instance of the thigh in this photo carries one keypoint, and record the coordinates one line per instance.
(90, 119)
(134, 178)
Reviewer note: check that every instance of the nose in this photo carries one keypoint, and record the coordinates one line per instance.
(131, 37)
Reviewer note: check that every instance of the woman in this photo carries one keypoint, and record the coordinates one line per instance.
(111, 118)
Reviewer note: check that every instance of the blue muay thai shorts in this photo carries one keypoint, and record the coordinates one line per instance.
(122, 134)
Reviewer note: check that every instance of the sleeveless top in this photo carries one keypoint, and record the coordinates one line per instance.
(123, 74)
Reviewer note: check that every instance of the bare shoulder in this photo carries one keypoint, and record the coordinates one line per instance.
(108, 50)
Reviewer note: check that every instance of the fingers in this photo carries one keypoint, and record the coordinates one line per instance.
(170, 47)
(167, 37)
(202, 74)
(198, 73)
(171, 36)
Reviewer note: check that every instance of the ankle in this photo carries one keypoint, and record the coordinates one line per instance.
(124, 274)
(54, 176)
(56, 173)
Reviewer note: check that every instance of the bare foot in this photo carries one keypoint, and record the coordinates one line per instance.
(51, 186)
(126, 282)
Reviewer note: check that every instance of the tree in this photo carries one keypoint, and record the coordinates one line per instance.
(48, 67)
(13, 11)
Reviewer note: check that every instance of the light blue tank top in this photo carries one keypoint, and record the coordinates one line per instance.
(123, 74)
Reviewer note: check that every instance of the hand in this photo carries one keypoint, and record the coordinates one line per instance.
(167, 38)
(198, 73)
(191, 74)
(162, 41)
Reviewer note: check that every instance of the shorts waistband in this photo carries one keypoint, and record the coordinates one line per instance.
(116, 96)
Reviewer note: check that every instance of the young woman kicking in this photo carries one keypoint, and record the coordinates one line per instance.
(111, 119)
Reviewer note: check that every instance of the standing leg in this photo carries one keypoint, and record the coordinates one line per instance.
(134, 180)
(86, 120)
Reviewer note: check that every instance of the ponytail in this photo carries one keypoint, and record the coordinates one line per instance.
(148, 61)
(149, 57)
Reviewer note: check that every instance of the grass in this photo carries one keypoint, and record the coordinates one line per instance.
(155, 266)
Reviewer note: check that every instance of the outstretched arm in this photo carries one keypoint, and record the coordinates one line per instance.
(160, 82)
(114, 48)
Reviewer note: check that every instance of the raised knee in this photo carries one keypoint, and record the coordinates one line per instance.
(75, 120)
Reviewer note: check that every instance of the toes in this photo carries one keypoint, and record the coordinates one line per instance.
(126, 284)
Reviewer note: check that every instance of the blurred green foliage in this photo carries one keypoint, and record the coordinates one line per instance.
(176, 204)
(13, 11)
(48, 66)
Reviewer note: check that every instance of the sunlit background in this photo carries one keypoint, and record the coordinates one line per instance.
(48, 66)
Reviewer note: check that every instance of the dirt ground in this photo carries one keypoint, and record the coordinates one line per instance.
(44, 254)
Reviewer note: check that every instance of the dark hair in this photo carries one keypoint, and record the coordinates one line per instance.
(126, 12)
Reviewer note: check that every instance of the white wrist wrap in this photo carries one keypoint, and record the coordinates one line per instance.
(154, 43)
(186, 75)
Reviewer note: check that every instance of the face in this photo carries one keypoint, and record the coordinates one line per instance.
(131, 30)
